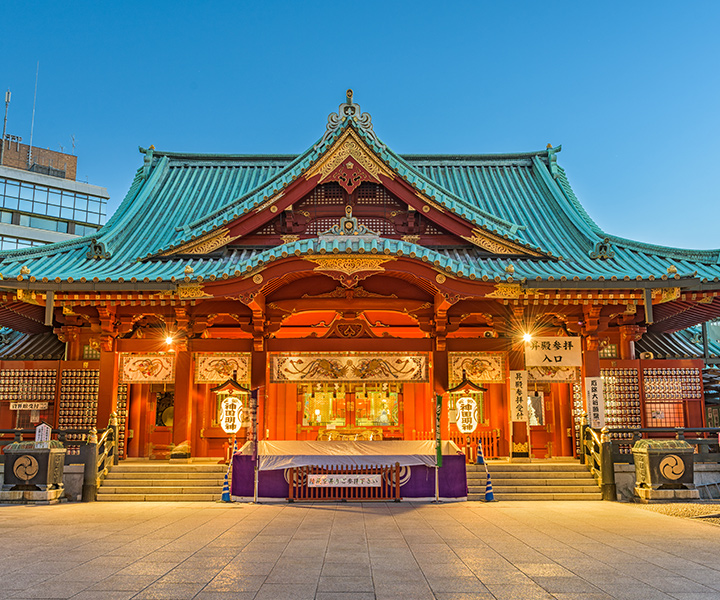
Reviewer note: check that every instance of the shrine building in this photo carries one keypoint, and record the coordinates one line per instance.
(350, 285)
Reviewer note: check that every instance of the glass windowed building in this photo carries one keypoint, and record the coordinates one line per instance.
(37, 209)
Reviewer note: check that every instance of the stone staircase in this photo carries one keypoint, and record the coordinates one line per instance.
(536, 480)
(160, 481)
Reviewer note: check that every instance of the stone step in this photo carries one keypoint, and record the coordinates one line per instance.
(165, 490)
(542, 475)
(159, 497)
(161, 481)
(536, 496)
(499, 482)
(537, 480)
(533, 489)
(113, 474)
(137, 467)
(554, 467)
(185, 483)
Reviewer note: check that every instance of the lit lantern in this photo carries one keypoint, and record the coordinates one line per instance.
(467, 414)
(231, 414)
(232, 399)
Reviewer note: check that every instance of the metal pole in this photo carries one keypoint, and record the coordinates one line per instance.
(32, 123)
(255, 494)
(437, 484)
(2, 149)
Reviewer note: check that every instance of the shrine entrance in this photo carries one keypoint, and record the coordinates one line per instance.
(550, 421)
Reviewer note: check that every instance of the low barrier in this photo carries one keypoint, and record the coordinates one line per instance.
(600, 453)
(344, 484)
(469, 443)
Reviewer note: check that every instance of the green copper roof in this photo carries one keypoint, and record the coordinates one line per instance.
(526, 198)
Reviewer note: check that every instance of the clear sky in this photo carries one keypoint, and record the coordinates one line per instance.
(630, 89)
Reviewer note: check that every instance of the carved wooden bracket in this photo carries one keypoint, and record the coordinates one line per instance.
(632, 333)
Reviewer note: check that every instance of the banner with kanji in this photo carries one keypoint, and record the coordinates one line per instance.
(595, 395)
(518, 396)
(553, 352)
(438, 430)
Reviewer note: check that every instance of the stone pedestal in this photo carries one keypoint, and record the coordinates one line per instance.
(645, 495)
(33, 472)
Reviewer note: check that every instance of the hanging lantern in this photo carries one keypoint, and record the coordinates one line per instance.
(232, 398)
(467, 414)
(231, 414)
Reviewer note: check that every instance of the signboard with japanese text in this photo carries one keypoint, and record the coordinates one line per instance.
(29, 405)
(518, 395)
(553, 352)
(595, 396)
(438, 430)
(42, 435)
(467, 414)
(344, 480)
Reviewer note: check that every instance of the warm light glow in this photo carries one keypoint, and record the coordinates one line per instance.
(168, 340)
(526, 337)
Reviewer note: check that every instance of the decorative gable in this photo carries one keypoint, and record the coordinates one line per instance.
(350, 180)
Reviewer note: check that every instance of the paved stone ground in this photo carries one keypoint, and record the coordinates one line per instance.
(458, 551)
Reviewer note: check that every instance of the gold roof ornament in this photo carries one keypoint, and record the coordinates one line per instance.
(349, 111)
(189, 270)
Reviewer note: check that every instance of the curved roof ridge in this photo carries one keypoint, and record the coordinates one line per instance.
(710, 256)
(559, 175)
(542, 154)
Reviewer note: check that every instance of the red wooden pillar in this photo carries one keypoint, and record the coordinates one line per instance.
(107, 392)
(183, 417)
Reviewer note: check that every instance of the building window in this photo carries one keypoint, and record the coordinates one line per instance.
(608, 351)
(84, 230)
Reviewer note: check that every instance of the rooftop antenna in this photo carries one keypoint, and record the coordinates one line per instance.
(32, 123)
(72, 139)
(2, 148)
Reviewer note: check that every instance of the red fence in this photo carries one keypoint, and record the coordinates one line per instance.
(389, 488)
(488, 437)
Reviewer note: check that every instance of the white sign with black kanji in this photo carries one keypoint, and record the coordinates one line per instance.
(518, 396)
(553, 352)
(595, 395)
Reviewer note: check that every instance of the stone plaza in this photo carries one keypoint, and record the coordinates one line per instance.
(384, 551)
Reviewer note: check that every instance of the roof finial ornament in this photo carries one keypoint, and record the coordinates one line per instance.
(602, 250)
(349, 111)
(349, 226)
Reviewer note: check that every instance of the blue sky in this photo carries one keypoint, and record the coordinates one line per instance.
(630, 89)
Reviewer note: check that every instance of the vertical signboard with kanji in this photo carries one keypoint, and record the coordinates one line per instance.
(438, 430)
(595, 402)
(42, 435)
(518, 395)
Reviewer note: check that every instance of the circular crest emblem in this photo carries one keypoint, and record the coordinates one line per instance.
(672, 467)
(389, 476)
(26, 467)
